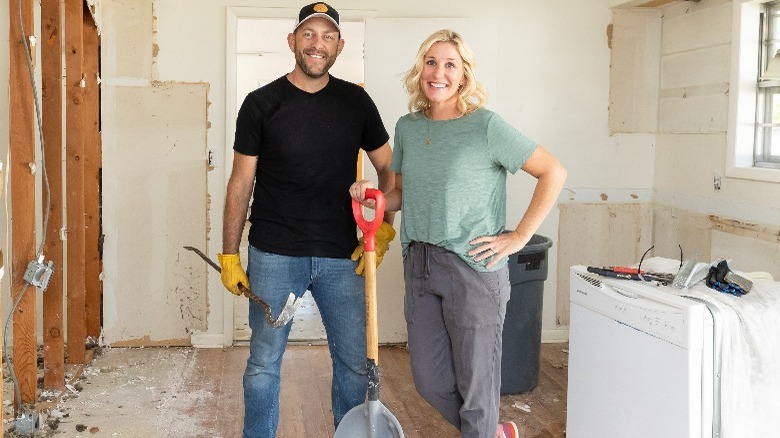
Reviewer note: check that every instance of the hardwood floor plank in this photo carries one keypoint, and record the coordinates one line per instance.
(399, 394)
(417, 417)
(314, 420)
(293, 393)
(389, 395)
(199, 365)
(323, 377)
(228, 388)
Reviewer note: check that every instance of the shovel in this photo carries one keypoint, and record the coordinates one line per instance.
(370, 419)
(288, 311)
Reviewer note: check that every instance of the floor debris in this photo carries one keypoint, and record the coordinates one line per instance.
(522, 407)
(110, 395)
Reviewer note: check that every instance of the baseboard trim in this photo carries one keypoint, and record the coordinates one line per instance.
(207, 340)
(553, 336)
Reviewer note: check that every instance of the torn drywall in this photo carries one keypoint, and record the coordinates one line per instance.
(154, 203)
(598, 234)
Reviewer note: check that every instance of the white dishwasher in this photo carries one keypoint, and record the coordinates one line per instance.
(640, 361)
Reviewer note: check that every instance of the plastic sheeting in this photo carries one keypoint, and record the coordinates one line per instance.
(750, 353)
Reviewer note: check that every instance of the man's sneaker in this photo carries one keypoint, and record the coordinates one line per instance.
(507, 430)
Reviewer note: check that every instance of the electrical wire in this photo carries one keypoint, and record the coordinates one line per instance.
(7, 237)
(17, 391)
(639, 268)
(44, 174)
(48, 200)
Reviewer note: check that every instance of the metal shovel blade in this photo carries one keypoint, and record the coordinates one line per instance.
(288, 311)
(369, 420)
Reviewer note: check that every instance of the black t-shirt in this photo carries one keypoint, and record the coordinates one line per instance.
(307, 146)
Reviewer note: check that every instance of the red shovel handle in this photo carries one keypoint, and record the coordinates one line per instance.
(369, 229)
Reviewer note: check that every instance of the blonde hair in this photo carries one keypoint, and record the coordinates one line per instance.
(471, 96)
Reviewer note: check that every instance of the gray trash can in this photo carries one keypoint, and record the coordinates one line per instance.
(522, 337)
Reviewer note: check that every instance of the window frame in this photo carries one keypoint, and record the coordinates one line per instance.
(743, 95)
(768, 91)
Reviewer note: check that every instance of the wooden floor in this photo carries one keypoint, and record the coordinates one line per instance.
(305, 398)
(193, 393)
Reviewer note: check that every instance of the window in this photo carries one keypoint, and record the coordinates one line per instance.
(753, 119)
(767, 139)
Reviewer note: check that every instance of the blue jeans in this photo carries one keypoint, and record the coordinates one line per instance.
(340, 297)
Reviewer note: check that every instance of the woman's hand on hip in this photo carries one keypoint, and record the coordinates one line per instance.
(496, 247)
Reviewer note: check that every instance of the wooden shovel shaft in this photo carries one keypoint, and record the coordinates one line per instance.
(372, 330)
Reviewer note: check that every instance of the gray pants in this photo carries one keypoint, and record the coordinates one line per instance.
(454, 317)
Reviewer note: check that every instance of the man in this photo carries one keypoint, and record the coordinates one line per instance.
(297, 141)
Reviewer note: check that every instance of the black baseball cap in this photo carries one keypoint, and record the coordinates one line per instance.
(318, 9)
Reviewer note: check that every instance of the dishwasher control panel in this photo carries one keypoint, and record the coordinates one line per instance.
(643, 307)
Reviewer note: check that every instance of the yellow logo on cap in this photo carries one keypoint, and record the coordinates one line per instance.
(320, 7)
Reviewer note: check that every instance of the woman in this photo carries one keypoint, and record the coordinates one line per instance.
(451, 157)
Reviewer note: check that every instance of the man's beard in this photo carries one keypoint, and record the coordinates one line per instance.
(300, 59)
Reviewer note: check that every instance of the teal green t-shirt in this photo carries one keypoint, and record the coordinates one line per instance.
(454, 189)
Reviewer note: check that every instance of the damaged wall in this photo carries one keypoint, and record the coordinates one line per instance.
(600, 234)
(606, 210)
(154, 188)
(691, 159)
(154, 198)
(692, 196)
(669, 84)
(692, 145)
(634, 70)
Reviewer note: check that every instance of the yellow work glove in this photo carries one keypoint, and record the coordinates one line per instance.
(384, 235)
(232, 272)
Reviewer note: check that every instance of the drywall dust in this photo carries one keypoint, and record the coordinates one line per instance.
(131, 392)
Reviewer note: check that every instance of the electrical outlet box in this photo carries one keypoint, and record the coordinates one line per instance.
(38, 274)
(27, 423)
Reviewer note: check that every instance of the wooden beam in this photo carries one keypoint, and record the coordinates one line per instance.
(74, 162)
(51, 85)
(2, 266)
(92, 165)
(22, 165)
